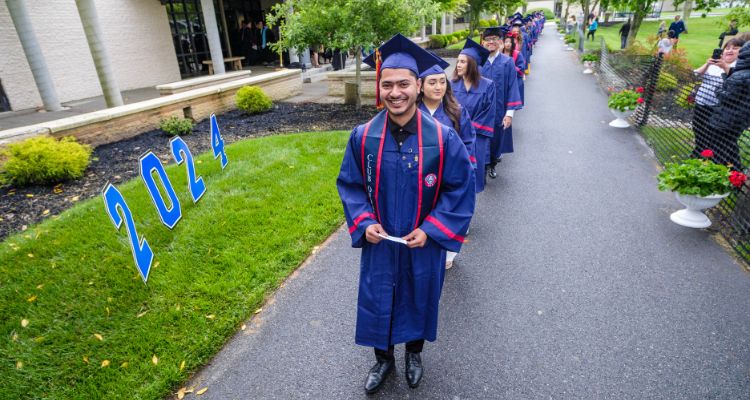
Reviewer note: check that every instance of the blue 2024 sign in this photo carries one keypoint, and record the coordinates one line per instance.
(170, 215)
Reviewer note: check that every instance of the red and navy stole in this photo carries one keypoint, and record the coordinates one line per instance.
(430, 161)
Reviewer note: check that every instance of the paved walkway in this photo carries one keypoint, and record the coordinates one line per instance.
(575, 283)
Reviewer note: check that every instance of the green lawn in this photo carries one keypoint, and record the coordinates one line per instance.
(94, 330)
(699, 42)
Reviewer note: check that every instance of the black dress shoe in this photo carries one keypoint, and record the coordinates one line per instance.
(413, 370)
(492, 173)
(377, 374)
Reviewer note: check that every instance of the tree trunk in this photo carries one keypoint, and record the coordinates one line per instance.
(358, 77)
(635, 26)
(596, 3)
(94, 37)
(686, 9)
(567, 9)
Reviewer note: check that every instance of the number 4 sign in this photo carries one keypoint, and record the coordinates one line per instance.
(118, 209)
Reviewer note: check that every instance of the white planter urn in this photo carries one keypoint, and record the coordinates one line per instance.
(588, 65)
(692, 215)
(621, 117)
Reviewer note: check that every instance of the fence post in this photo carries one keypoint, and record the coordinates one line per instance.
(651, 78)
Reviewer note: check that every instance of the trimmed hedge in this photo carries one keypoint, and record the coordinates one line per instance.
(44, 160)
(174, 126)
(252, 100)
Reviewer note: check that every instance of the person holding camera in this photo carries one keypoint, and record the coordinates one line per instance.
(711, 73)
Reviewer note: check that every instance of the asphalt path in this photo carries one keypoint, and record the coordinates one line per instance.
(574, 283)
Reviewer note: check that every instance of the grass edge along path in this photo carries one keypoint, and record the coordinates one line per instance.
(76, 319)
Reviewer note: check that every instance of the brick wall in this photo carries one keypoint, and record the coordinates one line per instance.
(136, 33)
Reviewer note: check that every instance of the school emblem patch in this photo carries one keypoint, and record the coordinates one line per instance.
(430, 180)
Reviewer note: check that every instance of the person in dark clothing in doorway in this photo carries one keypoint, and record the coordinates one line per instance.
(265, 36)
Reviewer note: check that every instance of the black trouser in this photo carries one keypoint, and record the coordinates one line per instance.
(415, 346)
(591, 33)
(705, 137)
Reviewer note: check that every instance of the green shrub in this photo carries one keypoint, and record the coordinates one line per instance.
(666, 82)
(590, 57)
(454, 40)
(252, 100)
(483, 23)
(436, 41)
(44, 160)
(570, 39)
(548, 14)
(174, 126)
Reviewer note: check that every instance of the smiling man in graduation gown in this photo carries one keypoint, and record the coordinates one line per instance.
(407, 176)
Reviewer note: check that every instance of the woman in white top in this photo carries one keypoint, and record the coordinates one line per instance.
(705, 98)
(665, 45)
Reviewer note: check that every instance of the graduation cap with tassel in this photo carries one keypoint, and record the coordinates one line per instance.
(400, 53)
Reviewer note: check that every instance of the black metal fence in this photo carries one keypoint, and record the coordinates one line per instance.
(684, 113)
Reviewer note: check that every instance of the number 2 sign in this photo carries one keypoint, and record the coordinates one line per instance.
(170, 214)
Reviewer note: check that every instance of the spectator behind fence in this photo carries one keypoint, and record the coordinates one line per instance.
(705, 98)
(662, 29)
(593, 26)
(678, 26)
(571, 24)
(666, 44)
(624, 31)
(731, 31)
(732, 114)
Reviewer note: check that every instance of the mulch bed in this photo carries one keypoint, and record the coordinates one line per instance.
(118, 162)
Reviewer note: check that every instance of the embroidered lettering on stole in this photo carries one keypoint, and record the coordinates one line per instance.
(430, 162)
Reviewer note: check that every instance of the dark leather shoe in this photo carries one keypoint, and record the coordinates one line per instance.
(492, 173)
(413, 370)
(377, 374)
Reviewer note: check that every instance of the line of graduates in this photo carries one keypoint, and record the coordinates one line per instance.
(409, 179)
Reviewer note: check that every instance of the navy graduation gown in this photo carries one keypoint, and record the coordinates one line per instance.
(503, 73)
(520, 63)
(399, 288)
(480, 103)
(467, 133)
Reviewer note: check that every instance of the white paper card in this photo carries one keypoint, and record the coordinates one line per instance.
(393, 238)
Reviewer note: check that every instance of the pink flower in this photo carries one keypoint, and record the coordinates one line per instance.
(707, 153)
(639, 89)
(640, 100)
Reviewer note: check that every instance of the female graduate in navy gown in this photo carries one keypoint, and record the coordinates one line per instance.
(477, 95)
(511, 51)
(436, 97)
(501, 70)
(403, 174)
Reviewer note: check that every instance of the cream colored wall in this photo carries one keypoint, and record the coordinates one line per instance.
(136, 33)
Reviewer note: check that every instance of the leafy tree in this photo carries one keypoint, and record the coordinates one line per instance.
(348, 24)
(640, 9)
(741, 14)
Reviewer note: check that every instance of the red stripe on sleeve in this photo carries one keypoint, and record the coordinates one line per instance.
(482, 127)
(515, 103)
(359, 219)
(444, 229)
(473, 159)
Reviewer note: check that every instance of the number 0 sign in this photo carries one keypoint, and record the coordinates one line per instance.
(150, 168)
